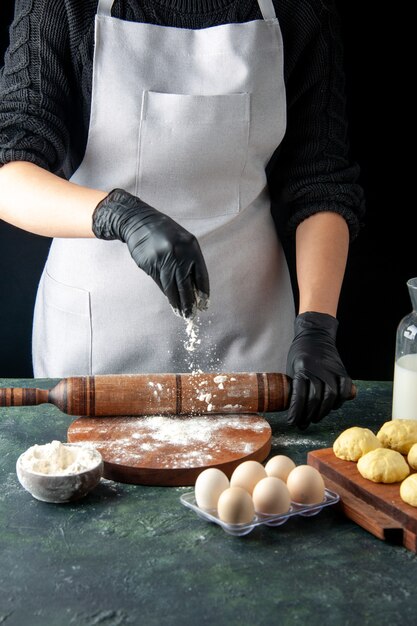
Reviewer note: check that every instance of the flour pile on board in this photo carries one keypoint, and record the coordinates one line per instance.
(180, 442)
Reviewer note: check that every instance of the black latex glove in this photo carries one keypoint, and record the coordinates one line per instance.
(159, 246)
(320, 382)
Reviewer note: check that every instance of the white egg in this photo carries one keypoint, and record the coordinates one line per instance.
(210, 483)
(235, 506)
(271, 496)
(279, 466)
(306, 485)
(247, 474)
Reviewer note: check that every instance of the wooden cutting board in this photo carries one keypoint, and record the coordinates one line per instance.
(377, 507)
(172, 450)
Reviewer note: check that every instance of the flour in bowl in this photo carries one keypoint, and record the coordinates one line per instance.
(58, 459)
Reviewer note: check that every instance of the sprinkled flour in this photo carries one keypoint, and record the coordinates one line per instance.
(175, 442)
(201, 303)
(184, 431)
(192, 330)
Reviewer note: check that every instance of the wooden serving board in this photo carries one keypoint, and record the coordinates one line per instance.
(172, 450)
(377, 507)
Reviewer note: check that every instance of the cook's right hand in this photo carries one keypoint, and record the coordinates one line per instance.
(162, 248)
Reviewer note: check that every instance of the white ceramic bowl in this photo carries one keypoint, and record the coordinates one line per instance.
(60, 488)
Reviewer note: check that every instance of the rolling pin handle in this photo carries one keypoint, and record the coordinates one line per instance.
(22, 396)
(353, 392)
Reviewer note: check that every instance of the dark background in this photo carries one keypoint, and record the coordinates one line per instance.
(374, 296)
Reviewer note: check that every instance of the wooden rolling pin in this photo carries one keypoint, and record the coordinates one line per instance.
(160, 394)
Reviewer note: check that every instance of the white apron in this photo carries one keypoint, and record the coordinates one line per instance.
(187, 120)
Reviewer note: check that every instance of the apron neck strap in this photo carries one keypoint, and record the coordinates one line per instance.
(266, 6)
(104, 7)
(267, 9)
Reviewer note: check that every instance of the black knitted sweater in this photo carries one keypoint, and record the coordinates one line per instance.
(45, 93)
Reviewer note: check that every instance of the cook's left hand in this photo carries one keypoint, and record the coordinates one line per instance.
(320, 382)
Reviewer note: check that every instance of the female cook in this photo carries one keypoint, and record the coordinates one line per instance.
(139, 135)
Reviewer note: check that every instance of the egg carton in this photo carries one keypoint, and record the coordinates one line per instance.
(306, 510)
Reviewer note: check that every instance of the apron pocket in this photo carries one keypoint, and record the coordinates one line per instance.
(192, 152)
(62, 330)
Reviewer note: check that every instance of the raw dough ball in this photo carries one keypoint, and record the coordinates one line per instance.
(354, 442)
(383, 466)
(408, 490)
(412, 456)
(398, 435)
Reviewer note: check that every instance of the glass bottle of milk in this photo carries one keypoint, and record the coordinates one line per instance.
(404, 400)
